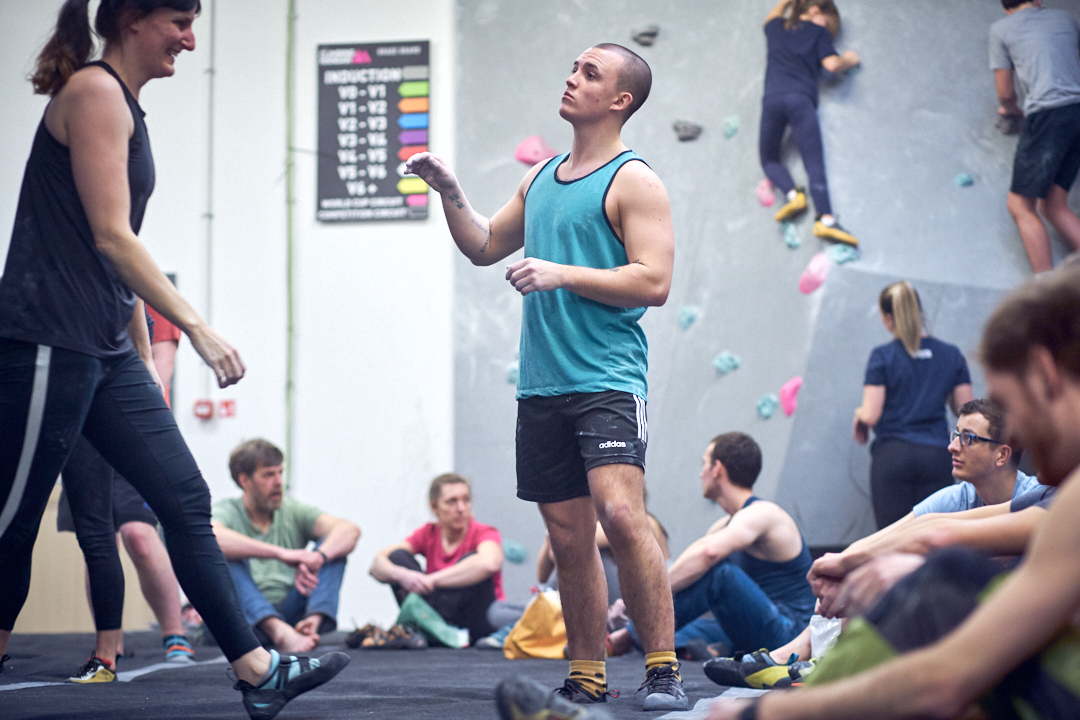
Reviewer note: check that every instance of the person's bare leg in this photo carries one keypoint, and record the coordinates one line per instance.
(799, 646)
(571, 525)
(5, 636)
(1032, 231)
(252, 666)
(156, 577)
(1055, 208)
(286, 638)
(106, 643)
(618, 496)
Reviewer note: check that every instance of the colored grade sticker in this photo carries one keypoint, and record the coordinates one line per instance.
(409, 150)
(416, 200)
(413, 137)
(413, 89)
(413, 105)
(411, 186)
(413, 121)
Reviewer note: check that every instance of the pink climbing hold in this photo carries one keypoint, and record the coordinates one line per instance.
(814, 274)
(789, 395)
(765, 194)
(533, 149)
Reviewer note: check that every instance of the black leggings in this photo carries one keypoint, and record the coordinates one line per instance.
(903, 474)
(797, 111)
(47, 396)
(465, 607)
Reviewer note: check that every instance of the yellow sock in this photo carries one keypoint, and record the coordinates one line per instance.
(657, 659)
(590, 674)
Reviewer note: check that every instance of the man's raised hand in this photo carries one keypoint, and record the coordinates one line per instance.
(432, 170)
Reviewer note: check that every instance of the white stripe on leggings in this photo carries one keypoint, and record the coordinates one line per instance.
(33, 430)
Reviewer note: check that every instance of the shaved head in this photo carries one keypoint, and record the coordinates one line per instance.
(634, 75)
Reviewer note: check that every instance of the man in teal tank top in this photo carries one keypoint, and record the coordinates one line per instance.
(599, 248)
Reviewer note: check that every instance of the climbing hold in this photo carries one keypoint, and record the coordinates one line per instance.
(647, 35)
(725, 362)
(791, 235)
(514, 551)
(841, 254)
(533, 149)
(688, 314)
(765, 194)
(686, 130)
(789, 395)
(731, 126)
(964, 180)
(767, 405)
(814, 274)
(512, 372)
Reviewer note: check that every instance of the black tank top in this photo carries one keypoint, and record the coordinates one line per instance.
(57, 288)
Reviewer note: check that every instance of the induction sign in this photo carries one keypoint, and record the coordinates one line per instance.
(373, 116)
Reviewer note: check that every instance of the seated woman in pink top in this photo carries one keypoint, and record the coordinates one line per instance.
(463, 580)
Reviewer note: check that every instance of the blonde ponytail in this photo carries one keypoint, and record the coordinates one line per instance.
(902, 302)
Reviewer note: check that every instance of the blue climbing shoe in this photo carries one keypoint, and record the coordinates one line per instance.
(288, 677)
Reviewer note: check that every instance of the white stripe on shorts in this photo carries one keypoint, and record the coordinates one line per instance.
(33, 430)
(642, 420)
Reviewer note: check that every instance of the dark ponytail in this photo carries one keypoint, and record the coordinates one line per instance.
(72, 43)
(67, 50)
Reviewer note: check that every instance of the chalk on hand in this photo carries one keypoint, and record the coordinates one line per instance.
(512, 372)
(686, 130)
(514, 551)
(814, 274)
(647, 35)
(789, 395)
(725, 362)
(1009, 124)
(964, 180)
(767, 405)
(688, 315)
(791, 235)
(841, 254)
(765, 194)
(533, 149)
(731, 126)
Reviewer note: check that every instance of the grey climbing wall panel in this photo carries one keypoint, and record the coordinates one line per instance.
(896, 134)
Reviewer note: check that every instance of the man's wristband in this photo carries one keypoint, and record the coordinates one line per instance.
(325, 559)
(750, 711)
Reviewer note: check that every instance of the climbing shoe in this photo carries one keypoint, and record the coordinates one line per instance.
(178, 649)
(288, 677)
(664, 689)
(756, 670)
(574, 692)
(793, 206)
(95, 670)
(519, 698)
(834, 233)
(3, 660)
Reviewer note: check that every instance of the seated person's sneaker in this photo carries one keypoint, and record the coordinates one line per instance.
(753, 670)
(95, 670)
(574, 692)
(288, 677)
(495, 640)
(665, 690)
(519, 698)
(834, 232)
(3, 660)
(792, 207)
(178, 649)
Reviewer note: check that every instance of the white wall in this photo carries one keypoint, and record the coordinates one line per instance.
(373, 411)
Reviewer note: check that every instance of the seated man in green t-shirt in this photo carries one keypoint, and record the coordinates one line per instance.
(289, 594)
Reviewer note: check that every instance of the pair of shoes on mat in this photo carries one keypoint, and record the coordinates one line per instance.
(96, 670)
(178, 649)
(373, 637)
(288, 677)
(519, 698)
(758, 670)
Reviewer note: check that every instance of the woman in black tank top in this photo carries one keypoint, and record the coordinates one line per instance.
(74, 349)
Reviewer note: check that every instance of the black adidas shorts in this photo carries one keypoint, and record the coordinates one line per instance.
(561, 438)
(1048, 152)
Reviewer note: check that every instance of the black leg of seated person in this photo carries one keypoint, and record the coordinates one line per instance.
(463, 607)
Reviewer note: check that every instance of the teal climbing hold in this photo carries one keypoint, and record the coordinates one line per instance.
(767, 405)
(791, 235)
(514, 551)
(964, 180)
(725, 362)
(731, 126)
(512, 372)
(688, 315)
(841, 254)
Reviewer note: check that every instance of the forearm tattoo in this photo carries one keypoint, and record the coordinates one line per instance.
(456, 199)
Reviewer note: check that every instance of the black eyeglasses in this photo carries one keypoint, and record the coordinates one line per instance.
(966, 438)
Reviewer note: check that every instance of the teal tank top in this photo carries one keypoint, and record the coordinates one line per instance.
(570, 344)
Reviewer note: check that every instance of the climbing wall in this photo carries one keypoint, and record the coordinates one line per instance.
(898, 132)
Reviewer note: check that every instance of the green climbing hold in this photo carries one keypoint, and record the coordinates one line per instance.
(688, 315)
(725, 362)
(514, 551)
(841, 254)
(791, 235)
(767, 405)
(731, 126)
(965, 180)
